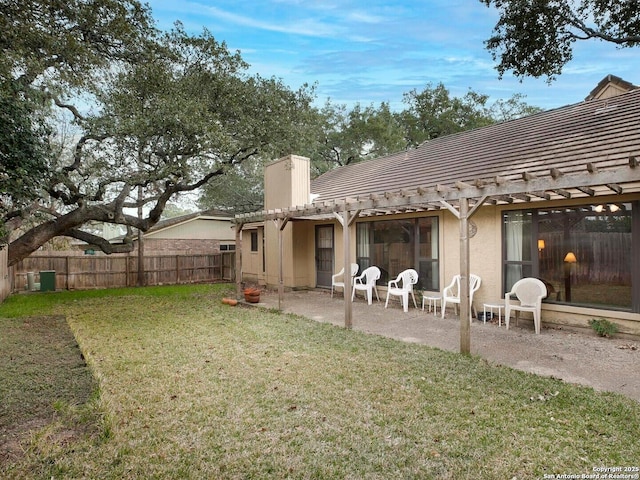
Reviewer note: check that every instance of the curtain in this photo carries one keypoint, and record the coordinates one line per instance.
(513, 231)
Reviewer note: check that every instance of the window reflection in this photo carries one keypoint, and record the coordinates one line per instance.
(582, 253)
(587, 254)
(395, 245)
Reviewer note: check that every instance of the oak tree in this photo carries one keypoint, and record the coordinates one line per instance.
(536, 37)
(153, 115)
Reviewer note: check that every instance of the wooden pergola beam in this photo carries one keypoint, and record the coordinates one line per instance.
(562, 192)
(589, 191)
(431, 197)
(615, 188)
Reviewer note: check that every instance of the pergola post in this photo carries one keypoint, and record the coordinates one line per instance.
(280, 224)
(347, 219)
(465, 305)
(238, 256)
(346, 237)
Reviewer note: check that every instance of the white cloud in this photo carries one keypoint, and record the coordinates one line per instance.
(376, 50)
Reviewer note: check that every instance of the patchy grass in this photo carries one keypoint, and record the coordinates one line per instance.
(46, 389)
(193, 388)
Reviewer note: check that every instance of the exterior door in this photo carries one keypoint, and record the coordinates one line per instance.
(324, 255)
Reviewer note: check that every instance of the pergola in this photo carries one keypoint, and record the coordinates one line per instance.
(462, 199)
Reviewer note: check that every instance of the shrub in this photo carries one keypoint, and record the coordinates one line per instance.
(603, 327)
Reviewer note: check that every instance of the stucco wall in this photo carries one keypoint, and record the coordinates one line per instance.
(287, 183)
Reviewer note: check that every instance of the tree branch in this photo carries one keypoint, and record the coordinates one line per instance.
(104, 245)
(77, 156)
(74, 111)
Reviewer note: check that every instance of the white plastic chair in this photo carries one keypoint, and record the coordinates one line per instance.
(336, 283)
(529, 292)
(408, 278)
(367, 283)
(451, 293)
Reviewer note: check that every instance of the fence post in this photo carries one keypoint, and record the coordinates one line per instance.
(126, 270)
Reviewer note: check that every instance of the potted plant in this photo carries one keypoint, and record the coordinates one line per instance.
(252, 294)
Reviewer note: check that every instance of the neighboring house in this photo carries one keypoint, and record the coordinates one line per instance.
(205, 232)
(209, 231)
(555, 195)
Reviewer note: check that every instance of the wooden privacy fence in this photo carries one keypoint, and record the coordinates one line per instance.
(5, 279)
(89, 272)
(599, 260)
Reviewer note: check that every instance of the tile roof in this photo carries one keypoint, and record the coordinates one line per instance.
(603, 132)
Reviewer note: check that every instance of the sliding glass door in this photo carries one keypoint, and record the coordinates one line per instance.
(396, 245)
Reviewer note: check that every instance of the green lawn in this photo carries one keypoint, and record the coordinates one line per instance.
(192, 388)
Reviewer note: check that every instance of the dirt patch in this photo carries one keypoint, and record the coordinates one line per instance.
(43, 376)
(580, 357)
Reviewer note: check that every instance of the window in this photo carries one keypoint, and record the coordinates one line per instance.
(254, 241)
(517, 247)
(224, 247)
(584, 254)
(395, 245)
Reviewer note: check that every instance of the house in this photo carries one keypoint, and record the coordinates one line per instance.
(199, 233)
(204, 232)
(555, 195)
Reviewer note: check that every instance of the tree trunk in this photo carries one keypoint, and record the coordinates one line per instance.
(64, 225)
(141, 273)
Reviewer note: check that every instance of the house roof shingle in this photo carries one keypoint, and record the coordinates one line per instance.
(604, 132)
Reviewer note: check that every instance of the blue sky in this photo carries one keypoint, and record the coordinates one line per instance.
(372, 51)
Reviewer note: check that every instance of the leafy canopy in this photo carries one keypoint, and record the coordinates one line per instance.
(46, 47)
(338, 136)
(152, 114)
(535, 37)
(23, 152)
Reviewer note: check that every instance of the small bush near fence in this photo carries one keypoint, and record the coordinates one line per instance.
(88, 272)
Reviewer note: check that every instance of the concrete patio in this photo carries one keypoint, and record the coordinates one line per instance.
(578, 357)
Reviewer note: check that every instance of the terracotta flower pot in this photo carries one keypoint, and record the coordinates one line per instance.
(252, 298)
(252, 294)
